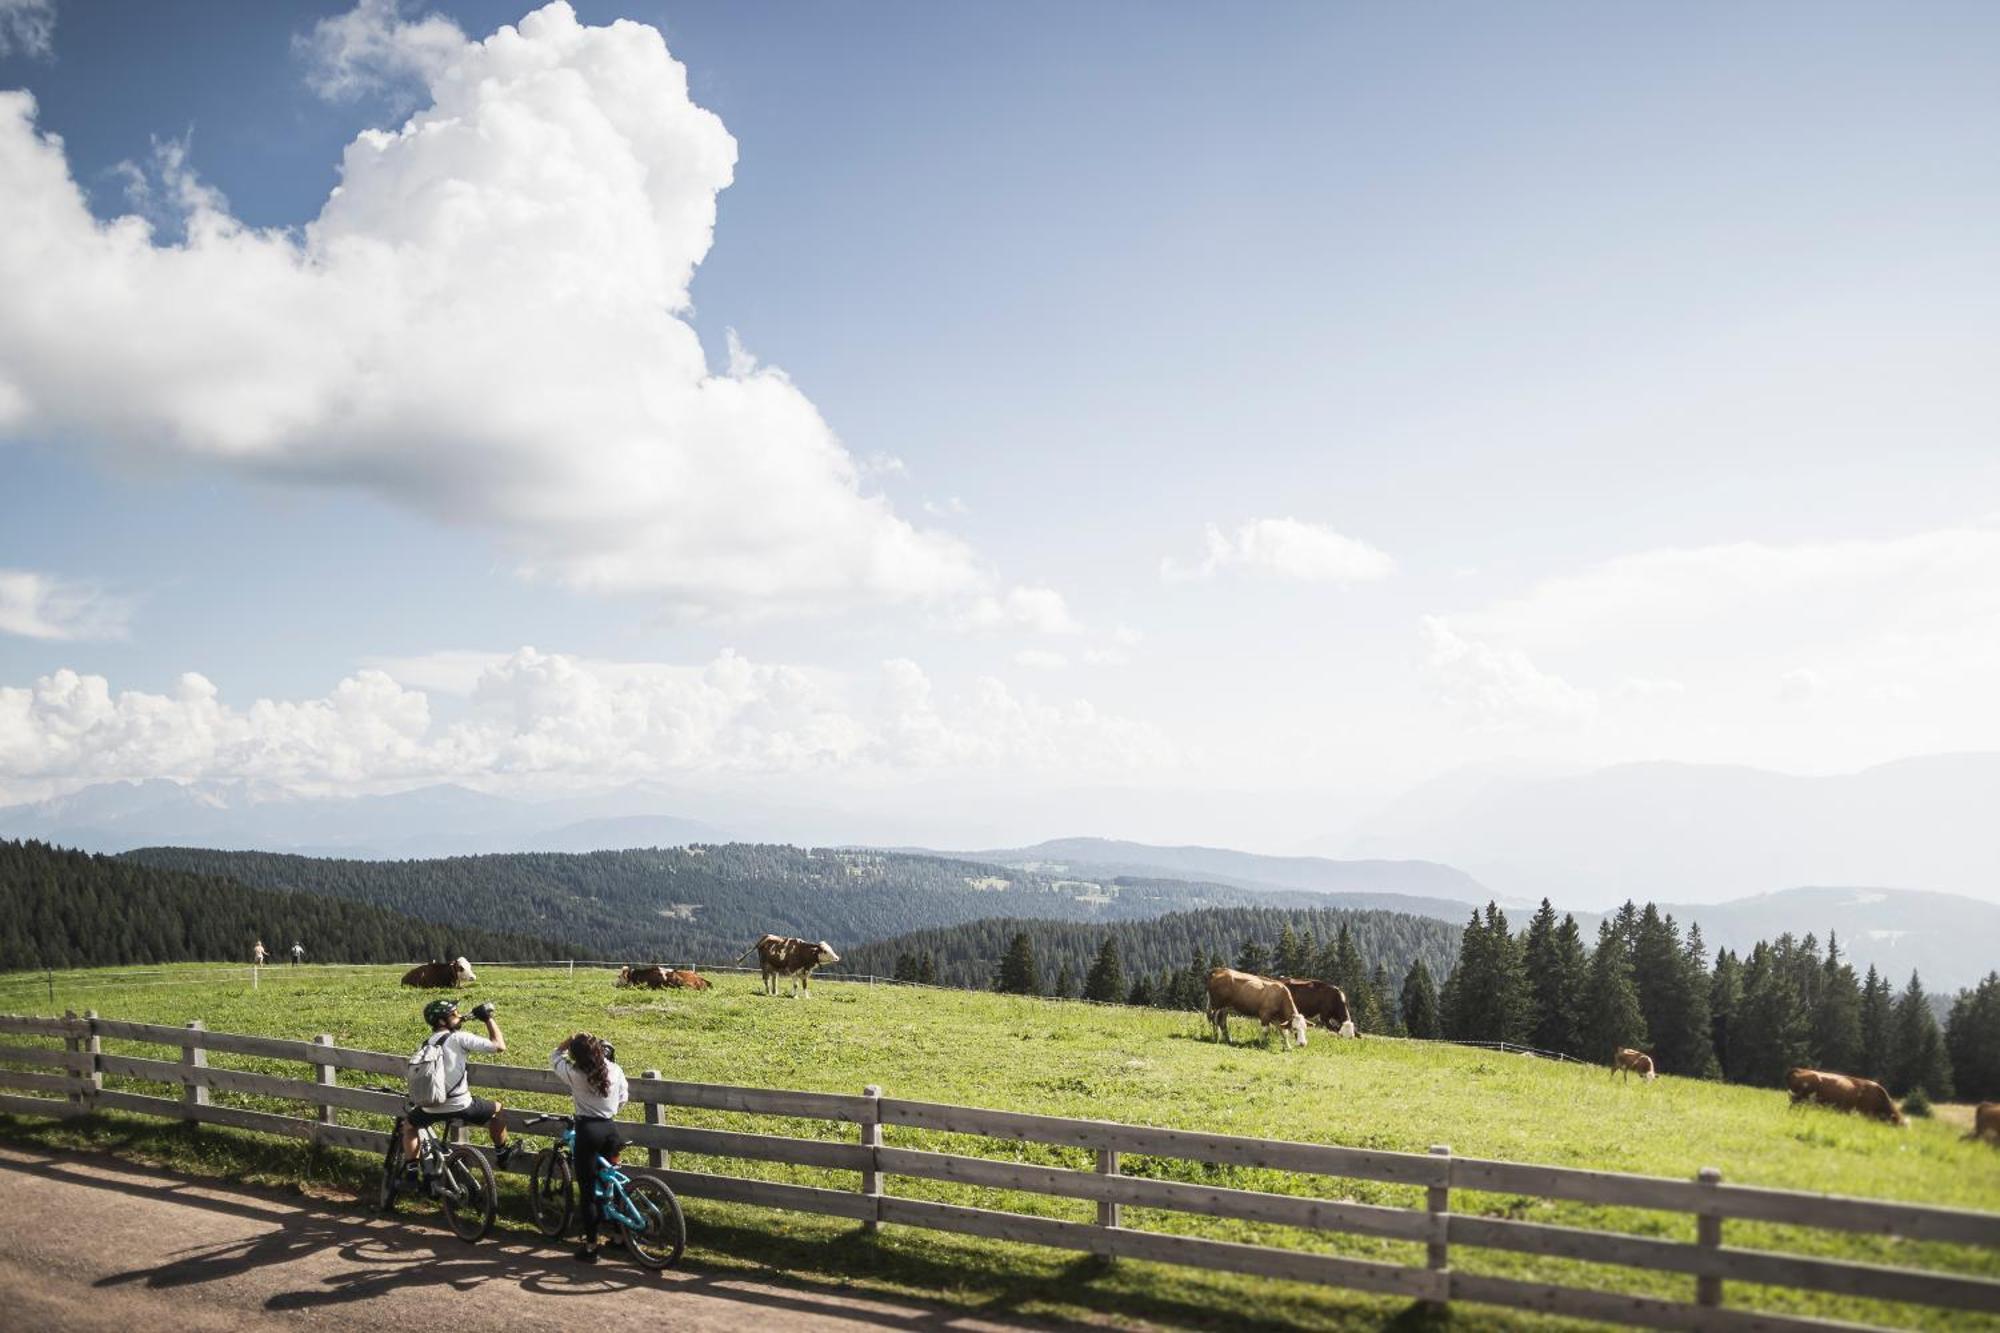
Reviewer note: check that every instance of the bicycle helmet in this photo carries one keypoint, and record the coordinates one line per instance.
(437, 1011)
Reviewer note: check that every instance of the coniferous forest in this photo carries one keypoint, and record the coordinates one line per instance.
(70, 909)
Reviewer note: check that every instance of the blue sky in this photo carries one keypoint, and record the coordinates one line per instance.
(1564, 385)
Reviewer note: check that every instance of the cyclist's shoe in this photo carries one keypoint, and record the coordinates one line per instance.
(587, 1255)
(508, 1152)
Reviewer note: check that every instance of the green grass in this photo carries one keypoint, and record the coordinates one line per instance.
(1141, 1066)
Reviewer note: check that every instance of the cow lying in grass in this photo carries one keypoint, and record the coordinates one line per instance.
(1629, 1062)
(660, 978)
(440, 976)
(1843, 1092)
(1261, 998)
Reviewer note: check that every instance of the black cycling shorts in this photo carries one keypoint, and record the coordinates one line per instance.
(478, 1113)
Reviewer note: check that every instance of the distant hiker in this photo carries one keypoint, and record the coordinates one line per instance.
(257, 954)
(298, 953)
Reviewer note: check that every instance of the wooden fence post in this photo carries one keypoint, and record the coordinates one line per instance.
(193, 1056)
(656, 1114)
(72, 1045)
(323, 1076)
(1109, 1214)
(1438, 1199)
(1708, 1235)
(93, 1046)
(871, 1138)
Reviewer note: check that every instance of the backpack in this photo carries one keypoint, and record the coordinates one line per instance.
(427, 1073)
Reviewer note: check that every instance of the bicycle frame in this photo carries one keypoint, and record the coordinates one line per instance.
(614, 1203)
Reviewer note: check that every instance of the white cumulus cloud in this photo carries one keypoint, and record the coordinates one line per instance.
(486, 323)
(1283, 548)
(1036, 610)
(41, 606)
(533, 715)
(1499, 688)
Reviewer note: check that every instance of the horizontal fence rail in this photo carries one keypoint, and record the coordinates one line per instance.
(56, 1067)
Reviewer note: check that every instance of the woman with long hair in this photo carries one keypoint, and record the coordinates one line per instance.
(597, 1087)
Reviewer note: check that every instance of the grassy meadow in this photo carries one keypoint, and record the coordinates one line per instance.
(1136, 1065)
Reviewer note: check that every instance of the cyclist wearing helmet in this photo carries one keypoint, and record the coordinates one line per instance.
(459, 1104)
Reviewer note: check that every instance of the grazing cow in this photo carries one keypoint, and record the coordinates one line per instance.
(440, 976)
(1986, 1120)
(1262, 998)
(660, 978)
(782, 956)
(1323, 1003)
(1629, 1062)
(1843, 1092)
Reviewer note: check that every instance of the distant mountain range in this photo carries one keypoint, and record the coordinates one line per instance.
(1701, 833)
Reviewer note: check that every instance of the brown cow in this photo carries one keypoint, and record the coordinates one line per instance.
(1262, 998)
(660, 978)
(1323, 1003)
(1629, 1062)
(440, 976)
(1986, 1120)
(1843, 1092)
(783, 956)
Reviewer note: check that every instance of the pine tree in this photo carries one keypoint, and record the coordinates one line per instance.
(1772, 1032)
(1065, 983)
(1420, 1003)
(927, 970)
(1382, 1004)
(1349, 974)
(1290, 959)
(1877, 1011)
(1611, 1016)
(1725, 997)
(1141, 993)
(1551, 1010)
(1836, 1039)
(1106, 980)
(1253, 958)
(1972, 1039)
(1919, 1059)
(1018, 974)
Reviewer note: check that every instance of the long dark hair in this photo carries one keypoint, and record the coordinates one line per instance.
(587, 1053)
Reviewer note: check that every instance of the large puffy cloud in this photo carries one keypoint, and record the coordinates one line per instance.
(485, 323)
(42, 606)
(533, 715)
(1499, 688)
(1283, 548)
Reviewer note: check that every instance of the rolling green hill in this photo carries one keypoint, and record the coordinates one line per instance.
(1137, 1065)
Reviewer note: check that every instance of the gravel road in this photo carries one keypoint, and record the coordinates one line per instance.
(87, 1243)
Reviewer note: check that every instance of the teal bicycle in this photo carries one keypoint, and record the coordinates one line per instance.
(642, 1206)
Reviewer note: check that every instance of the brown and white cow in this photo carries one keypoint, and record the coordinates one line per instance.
(1265, 999)
(1843, 1092)
(660, 978)
(1323, 1003)
(1629, 1062)
(783, 956)
(1986, 1120)
(440, 976)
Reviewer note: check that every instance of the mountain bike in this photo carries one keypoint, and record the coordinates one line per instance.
(642, 1206)
(458, 1176)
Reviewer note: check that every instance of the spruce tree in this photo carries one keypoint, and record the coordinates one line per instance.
(1065, 983)
(1836, 1020)
(1550, 1011)
(927, 969)
(1290, 959)
(1698, 1023)
(1349, 974)
(1772, 1032)
(1877, 1010)
(1106, 980)
(1382, 1005)
(1420, 1003)
(1972, 1039)
(1611, 1016)
(1141, 993)
(1919, 1059)
(1253, 958)
(1018, 974)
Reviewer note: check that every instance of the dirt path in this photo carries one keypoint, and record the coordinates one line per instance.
(89, 1243)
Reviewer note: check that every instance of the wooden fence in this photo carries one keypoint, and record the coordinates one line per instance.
(69, 1081)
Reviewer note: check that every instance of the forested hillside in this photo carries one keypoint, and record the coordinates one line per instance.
(71, 909)
(700, 903)
(1343, 946)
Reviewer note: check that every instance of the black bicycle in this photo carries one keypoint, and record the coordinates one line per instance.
(457, 1175)
(644, 1207)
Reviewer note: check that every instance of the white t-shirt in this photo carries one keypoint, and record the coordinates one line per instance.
(588, 1100)
(455, 1048)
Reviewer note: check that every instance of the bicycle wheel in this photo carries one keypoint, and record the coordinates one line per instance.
(665, 1237)
(549, 1193)
(468, 1193)
(392, 1174)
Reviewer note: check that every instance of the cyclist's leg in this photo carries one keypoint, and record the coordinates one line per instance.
(592, 1138)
